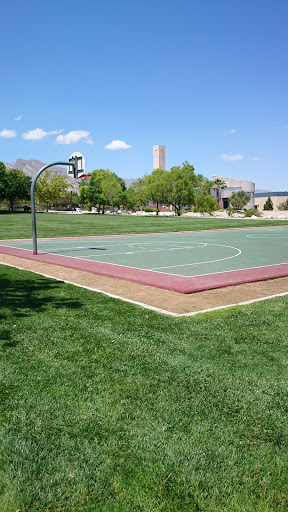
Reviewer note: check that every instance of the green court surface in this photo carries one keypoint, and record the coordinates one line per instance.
(181, 254)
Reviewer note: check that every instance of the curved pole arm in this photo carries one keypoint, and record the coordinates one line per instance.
(33, 210)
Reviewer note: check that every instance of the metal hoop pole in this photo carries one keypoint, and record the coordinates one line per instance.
(33, 210)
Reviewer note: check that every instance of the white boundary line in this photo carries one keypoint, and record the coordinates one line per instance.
(146, 306)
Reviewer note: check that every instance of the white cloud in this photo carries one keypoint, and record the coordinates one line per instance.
(38, 134)
(18, 118)
(8, 134)
(232, 130)
(256, 158)
(117, 144)
(231, 157)
(74, 136)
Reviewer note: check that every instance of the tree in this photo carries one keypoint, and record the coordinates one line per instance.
(154, 189)
(70, 199)
(112, 189)
(2, 179)
(138, 194)
(83, 195)
(239, 199)
(205, 203)
(269, 204)
(104, 188)
(50, 187)
(218, 185)
(178, 186)
(14, 186)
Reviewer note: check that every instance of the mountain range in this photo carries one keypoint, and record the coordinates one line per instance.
(31, 167)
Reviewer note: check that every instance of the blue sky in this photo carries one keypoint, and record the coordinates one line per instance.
(206, 78)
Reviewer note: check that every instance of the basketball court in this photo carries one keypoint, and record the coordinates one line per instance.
(185, 262)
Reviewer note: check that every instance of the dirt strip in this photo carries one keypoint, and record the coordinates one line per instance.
(173, 302)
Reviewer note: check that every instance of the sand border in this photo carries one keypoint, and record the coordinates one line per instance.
(162, 301)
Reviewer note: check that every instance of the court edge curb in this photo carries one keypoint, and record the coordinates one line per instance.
(185, 285)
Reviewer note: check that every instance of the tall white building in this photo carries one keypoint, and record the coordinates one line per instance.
(159, 157)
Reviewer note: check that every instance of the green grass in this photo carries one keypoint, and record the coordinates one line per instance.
(110, 407)
(57, 225)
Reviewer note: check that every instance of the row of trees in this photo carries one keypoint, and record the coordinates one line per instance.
(15, 187)
(180, 187)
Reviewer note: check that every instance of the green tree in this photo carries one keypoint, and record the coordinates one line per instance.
(50, 187)
(239, 199)
(14, 186)
(205, 203)
(112, 190)
(83, 195)
(70, 199)
(218, 185)
(269, 204)
(138, 194)
(2, 179)
(154, 187)
(178, 186)
(104, 188)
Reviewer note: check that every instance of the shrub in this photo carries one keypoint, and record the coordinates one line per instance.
(283, 206)
(230, 210)
(253, 211)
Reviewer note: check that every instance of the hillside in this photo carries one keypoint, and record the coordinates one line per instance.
(31, 167)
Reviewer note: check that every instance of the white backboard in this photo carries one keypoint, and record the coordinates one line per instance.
(80, 162)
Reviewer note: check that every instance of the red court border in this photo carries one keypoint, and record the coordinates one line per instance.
(152, 278)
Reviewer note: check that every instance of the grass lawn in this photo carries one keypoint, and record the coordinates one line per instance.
(109, 407)
(19, 225)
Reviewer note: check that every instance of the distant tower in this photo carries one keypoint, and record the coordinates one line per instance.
(159, 159)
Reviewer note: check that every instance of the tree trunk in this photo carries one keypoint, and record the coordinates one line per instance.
(157, 205)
